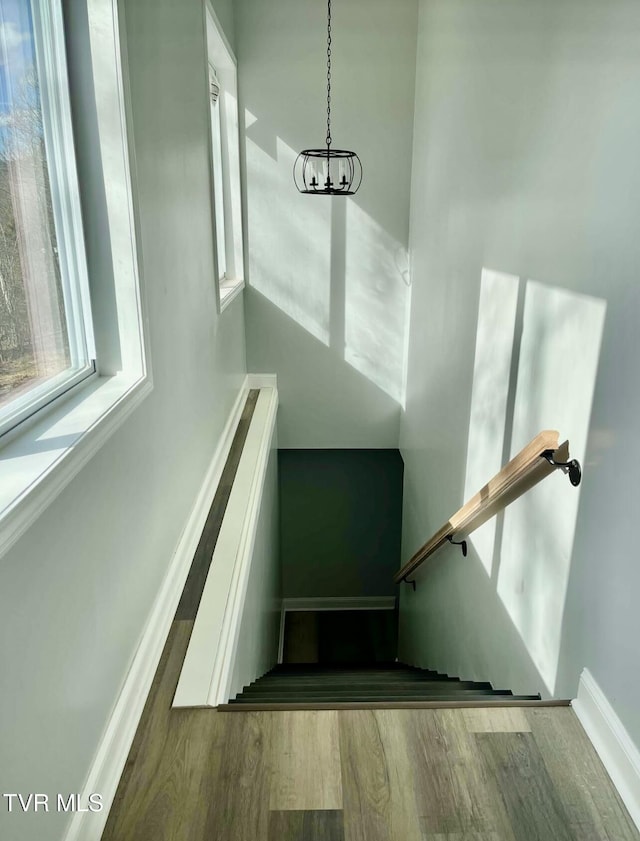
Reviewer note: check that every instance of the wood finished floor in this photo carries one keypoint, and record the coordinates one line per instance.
(504, 774)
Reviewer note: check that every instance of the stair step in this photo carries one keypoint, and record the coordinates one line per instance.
(421, 687)
(313, 685)
(314, 668)
(355, 698)
(358, 675)
(440, 703)
(377, 693)
(341, 681)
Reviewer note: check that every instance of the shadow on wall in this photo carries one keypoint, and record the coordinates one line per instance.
(537, 351)
(329, 266)
(335, 267)
(467, 612)
(536, 361)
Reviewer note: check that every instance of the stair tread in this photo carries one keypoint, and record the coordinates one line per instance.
(357, 675)
(337, 680)
(312, 668)
(307, 684)
(358, 697)
(415, 686)
(403, 703)
(372, 692)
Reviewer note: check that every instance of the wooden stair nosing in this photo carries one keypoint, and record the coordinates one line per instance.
(364, 696)
(513, 701)
(318, 691)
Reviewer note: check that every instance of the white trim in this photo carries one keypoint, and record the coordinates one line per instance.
(118, 174)
(221, 33)
(224, 169)
(49, 38)
(229, 291)
(344, 603)
(262, 381)
(115, 744)
(36, 471)
(19, 414)
(220, 688)
(207, 671)
(614, 746)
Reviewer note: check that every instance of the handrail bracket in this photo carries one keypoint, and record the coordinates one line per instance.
(572, 468)
(462, 543)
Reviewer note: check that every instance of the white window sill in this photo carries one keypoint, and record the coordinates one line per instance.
(229, 290)
(37, 464)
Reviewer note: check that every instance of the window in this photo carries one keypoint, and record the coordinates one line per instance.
(46, 330)
(46, 342)
(225, 163)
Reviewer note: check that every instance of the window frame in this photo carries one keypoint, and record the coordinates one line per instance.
(217, 135)
(52, 72)
(40, 457)
(231, 281)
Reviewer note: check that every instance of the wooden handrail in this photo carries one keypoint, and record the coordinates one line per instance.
(524, 470)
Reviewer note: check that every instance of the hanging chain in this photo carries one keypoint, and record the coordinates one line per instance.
(328, 73)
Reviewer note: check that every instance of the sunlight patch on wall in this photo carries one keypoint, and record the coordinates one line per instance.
(289, 244)
(377, 301)
(559, 353)
(490, 394)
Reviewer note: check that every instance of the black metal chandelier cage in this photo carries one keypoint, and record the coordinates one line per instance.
(327, 171)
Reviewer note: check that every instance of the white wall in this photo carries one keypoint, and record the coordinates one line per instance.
(328, 297)
(525, 164)
(76, 590)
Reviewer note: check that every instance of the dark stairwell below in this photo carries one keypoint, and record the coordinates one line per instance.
(335, 659)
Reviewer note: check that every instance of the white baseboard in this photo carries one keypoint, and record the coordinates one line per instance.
(614, 746)
(341, 603)
(114, 747)
(262, 381)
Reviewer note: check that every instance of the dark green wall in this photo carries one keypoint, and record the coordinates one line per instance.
(340, 522)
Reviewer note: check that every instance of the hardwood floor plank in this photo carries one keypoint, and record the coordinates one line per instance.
(503, 720)
(462, 836)
(433, 775)
(168, 802)
(306, 761)
(592, 804)
(192, 593)
(148, 743)
(238, 795)
(173, 753)
(379, 803)
(325, 825)
(452, 794)
(519, 775)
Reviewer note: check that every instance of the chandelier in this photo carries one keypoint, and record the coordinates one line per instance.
(327, 171)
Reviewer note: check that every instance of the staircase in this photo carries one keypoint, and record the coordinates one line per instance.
(310, 686)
